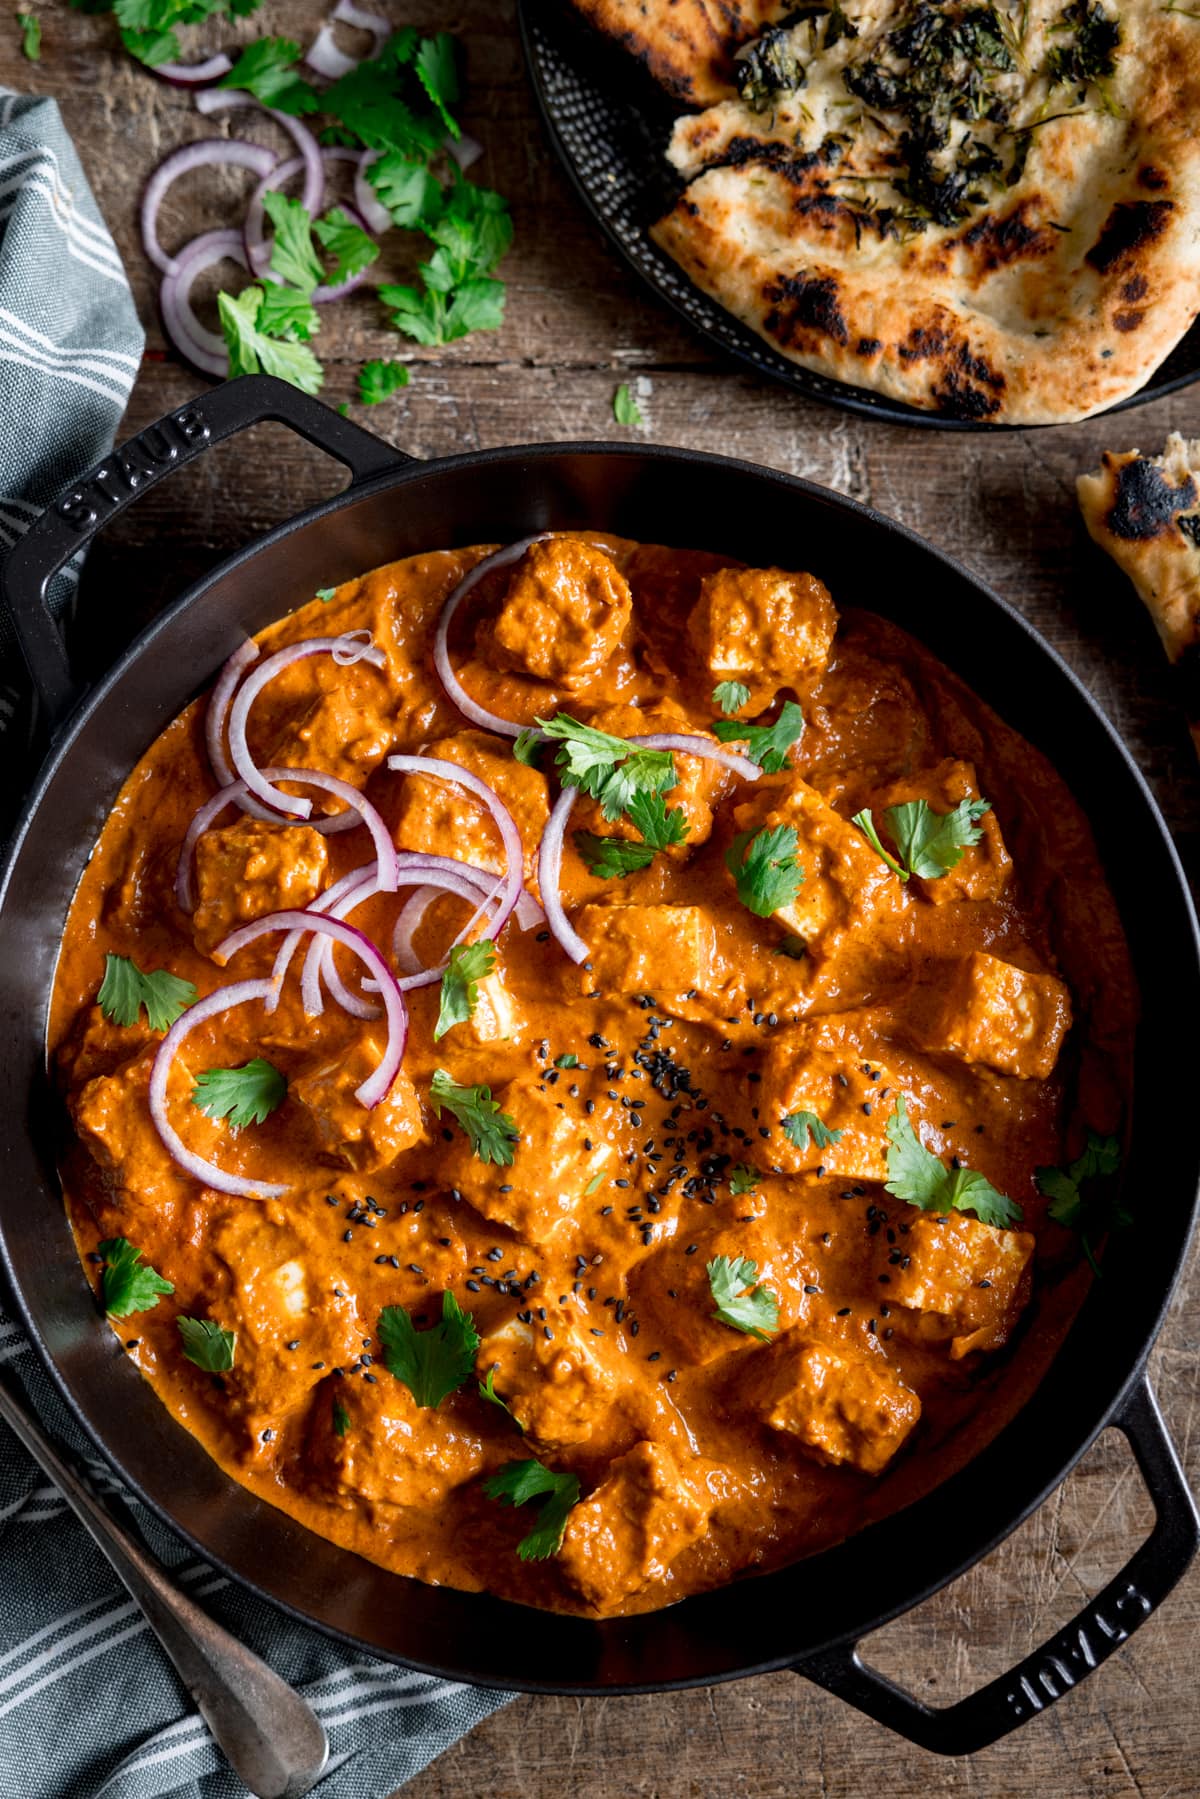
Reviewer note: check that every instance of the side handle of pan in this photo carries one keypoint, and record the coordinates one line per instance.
(1073, 1652)
(88, 504)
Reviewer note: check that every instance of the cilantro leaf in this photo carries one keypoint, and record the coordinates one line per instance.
(1091, 1213)
(341, 1419)
(730, 696)
(625, 408)
(265, 69)
(244, 1095)
(915, 1174)
(568, 1059)
(608, 769)
(765, 869)
(798, 1127)
(768, 745)
(437, 71)
(293, 257)
(469, 964)
(286, 314)
(210, 1346)
(348, 244)
(433, 1362)
(125, 990)
(756, 1312)
(487, 1391)
(866, 825)
(517, 1483)
(929, 843)
(407, 187)
(612, 858)
(661, 828)
(129, 1283)
(528, 746)
(252, 352)
(742, 1179)
(378, 381)
(419, 316)
(492, 1132)
(794, 948)
(31, 35)
(478, 305)
(325, 594)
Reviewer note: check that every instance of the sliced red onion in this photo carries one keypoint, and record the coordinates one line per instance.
(239, 712)
(325, 58)
(204, 349)
(319, 959)
(218, 99)
(465, 150)
(208, 153)
(219, 703)
(240, 993)
(349, 14)
(378, 1085)
(366, 199)
(550, 876)
(194, 74)
(479, 715)
(700, 746)
(509, 835)
(357, 646)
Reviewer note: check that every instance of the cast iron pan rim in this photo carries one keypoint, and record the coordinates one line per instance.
(745, 347)
(1100, 1412)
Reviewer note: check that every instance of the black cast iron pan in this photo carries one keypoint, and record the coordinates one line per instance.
(808, 1617)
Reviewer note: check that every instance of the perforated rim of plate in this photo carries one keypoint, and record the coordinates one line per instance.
(609, 125)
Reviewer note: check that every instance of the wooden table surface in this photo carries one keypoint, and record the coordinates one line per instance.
(577, 325)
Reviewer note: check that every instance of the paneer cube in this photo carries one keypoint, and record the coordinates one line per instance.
(497, 1018)
(838, 1406)
(348, 1133)
(436, 819)
(991, 1012)
(565, 613)
(846, 886)
(764, 627)
(249, 869)
(649, 1508)
(339, 735)
(986, 867)
(814, 1069)
(687, 1323)
(969, 1279)
(394, 1453)
(556, 1386)
(112, 1115)
(644, 949)
(551, 1171)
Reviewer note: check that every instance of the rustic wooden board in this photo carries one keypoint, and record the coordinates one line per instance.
(576, 326)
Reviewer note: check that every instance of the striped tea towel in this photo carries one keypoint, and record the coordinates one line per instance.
(89, 1706)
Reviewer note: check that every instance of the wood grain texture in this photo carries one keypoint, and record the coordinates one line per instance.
(576, 326)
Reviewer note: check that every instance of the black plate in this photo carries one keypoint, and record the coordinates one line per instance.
(609, 124)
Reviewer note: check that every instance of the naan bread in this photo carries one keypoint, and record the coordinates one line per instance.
(687, 45)
(989, 212)
(1145, 511)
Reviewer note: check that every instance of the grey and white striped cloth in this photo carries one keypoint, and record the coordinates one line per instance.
(89, 1707)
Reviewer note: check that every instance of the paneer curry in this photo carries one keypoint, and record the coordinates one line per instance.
(592, 1072)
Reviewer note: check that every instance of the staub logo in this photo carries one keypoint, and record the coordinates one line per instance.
(143, 459)
(1078, 1649)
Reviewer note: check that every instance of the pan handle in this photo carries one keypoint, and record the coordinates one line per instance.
(1073, 1652)
(87, 505)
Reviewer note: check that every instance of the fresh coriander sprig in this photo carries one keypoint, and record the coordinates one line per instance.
(915, 1174)
(378, 381)
(929, 843)
(742, 1179)
(493, 1133)
(1077, 1202)
(608, 769)
(519, 1482)
(768, 745)
(730, 696)
(469, 964)
(245, 1095)
(125, 989)
(433, 1362)
(210, 1346)
(128, 1283)
(626, 410)
(798, 1127)
(740, 1304)
(765, 868)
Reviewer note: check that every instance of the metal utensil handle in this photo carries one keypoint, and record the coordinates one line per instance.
(1073, 1652)
(88, 504)
(270, 1737)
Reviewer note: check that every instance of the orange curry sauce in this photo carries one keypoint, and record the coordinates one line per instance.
(997, 999)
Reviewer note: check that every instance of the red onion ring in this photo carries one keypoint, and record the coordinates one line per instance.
(509, 835)
(217, 99)
(366, 199)
(194, 74)
(207, 153)
(204, 349)
(349, 14)
(550, 876)
(478, 715)
(464, 150)
(223, 1000)
(324, 57)
(219, 703)
(377, 1086)
(239, 712)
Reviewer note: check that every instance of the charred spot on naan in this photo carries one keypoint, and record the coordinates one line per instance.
(1130, 228)
(803, 306)
(998, 240)
(1146, 503)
